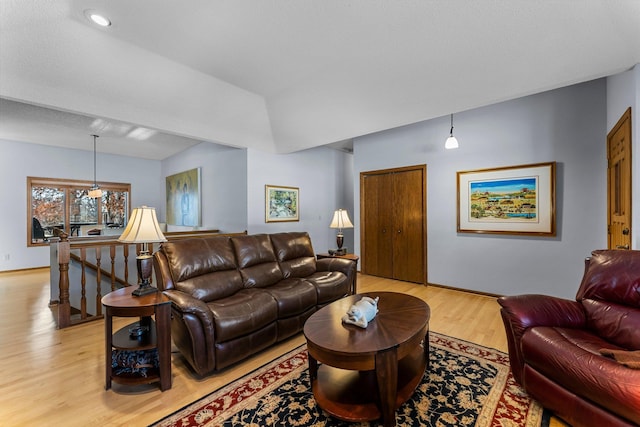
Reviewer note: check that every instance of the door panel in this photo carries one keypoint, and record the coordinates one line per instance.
(408, 254)
(385, 226)
(619, 183)
(375, 227)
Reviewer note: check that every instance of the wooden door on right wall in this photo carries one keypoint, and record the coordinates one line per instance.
(619, 183)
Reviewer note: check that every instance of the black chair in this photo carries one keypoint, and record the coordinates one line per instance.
(37, 232)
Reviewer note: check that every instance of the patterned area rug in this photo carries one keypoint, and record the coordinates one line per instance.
(466, 385)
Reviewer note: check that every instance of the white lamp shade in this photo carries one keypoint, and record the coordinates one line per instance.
(341, 220)
(451, 143)
(143, 227)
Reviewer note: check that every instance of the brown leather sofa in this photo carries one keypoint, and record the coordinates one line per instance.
(233, 296)
(557, 346)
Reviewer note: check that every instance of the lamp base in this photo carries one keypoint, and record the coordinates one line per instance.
(144, 290)
(144, 262)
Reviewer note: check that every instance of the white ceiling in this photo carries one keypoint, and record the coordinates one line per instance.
(34, 124)
(282, 75)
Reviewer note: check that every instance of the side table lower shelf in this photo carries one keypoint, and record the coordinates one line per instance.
(143, 348)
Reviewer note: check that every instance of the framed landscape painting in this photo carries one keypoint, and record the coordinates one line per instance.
(281, 204)
(183, 198)
(508, 200)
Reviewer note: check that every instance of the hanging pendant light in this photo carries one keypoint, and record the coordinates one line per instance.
(451, 142)
(95, 191)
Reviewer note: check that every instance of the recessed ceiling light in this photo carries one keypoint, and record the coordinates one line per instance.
(97, 18)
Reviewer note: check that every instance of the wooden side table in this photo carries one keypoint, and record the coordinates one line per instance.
(122, 304)
(352, 257)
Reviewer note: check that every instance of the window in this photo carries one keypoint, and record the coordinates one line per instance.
(65, 205)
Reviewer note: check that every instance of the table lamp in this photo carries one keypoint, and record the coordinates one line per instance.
(143, 228)
(340, 220)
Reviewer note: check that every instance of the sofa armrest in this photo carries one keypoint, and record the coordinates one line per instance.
(185, 303)
(343, 265)
(527, 311)
(522, 312)
(193, 330)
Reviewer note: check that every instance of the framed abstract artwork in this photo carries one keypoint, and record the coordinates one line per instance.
(508, 200)
(282, 204)
(184, 198)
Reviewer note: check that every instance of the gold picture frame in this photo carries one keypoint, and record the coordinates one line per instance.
(516, 200)
(282, 204)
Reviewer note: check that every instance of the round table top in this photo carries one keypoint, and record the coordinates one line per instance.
(400, 317)
(122, 298)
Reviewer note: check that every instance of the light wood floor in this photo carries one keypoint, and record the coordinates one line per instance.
(56, 377)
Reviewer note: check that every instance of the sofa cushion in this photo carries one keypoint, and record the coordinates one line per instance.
(572, 359)
(330, 285)
(242, 313)
(616, 323)
(293, 296)
(294, 253)
(256, 260)
(203, 268)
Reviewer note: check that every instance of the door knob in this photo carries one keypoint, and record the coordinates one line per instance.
(622, 247)
(625, 231)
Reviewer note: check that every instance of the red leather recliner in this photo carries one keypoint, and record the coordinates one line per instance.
(556, 345)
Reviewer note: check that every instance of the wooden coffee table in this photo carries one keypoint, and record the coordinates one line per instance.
(365, 374)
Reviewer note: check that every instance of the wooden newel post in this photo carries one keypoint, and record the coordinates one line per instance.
(64, 306)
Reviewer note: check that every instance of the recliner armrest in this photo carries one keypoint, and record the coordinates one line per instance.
(193, 324)
(343, 265)
(185, 303)
(346, 266)
(531, 310)
(522, 312)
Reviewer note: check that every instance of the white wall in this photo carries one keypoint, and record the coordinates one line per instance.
(345, 200)
(565, 125)
(623, 91)
(224, 184)
(232, 194)
(318, 173)
(19, 160)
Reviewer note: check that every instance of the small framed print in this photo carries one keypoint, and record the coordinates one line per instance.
(282, 203)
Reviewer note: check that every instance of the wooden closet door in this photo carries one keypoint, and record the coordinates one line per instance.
(393, 223)
(377, 224)
(409, 226)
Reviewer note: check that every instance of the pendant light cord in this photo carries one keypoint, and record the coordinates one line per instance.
(451, 131)
(95, 183)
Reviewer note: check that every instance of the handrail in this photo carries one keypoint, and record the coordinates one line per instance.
(87, 255)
